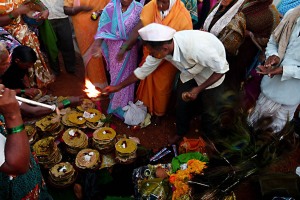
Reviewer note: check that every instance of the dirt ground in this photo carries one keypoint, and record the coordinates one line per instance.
(155, 137)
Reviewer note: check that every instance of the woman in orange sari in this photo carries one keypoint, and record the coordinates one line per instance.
(85, 29)
(10, 20)
(155, 90)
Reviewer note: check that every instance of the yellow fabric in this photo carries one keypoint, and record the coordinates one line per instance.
(39, 74)
(85, 30)
(155, 90)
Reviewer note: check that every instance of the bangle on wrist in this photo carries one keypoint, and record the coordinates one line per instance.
(11, 16)
(66, 102)
(16, 129)
(124, 46)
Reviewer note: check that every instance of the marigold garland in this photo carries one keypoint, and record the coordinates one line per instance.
(181, 178)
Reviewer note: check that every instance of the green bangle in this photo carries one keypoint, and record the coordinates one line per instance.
(16, 129)
(11, 16)
(23, 91)
(66, 102)
(124, 46)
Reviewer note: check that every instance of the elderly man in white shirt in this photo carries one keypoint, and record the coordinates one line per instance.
(280, 86)
(201, 59)
(63, 30)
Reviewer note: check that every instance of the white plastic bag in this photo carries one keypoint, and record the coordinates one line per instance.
(134, 113)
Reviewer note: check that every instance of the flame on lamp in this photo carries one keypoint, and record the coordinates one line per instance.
(91, 90)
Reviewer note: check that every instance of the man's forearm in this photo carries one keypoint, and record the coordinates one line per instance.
(71, 11)
(129, 80)
(272, 47)
(211, 80)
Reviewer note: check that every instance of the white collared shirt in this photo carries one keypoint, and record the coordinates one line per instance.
(56, 9)
(284, 88)
(197, 54)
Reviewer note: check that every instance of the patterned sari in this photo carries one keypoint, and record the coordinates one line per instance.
(39, 74)
(114, 27)
(28, 186)
(8, 39)
(85, 30)
(155, 90)
(192, 7)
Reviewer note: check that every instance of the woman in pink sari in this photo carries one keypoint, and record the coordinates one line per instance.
(118, 19)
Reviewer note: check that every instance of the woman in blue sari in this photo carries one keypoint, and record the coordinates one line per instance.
(117, 20)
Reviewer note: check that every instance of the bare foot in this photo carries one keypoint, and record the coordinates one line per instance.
(174, 139)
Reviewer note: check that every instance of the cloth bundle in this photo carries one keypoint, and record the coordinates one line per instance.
(192, 145)
(134, 113)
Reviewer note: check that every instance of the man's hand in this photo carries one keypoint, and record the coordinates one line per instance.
(187, 96)
(191, 95)
(272, 61)
(129, 80)
(112, 89)
(270, 71)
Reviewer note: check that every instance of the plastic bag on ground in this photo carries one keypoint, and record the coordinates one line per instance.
(134, 113)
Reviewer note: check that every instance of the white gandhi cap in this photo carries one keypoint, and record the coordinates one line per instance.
(156, 32)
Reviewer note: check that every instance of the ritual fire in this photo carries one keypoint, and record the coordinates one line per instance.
(91, 90)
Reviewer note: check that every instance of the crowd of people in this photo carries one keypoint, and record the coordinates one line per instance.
(198, 48)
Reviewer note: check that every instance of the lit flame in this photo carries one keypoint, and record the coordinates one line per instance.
(91, 90)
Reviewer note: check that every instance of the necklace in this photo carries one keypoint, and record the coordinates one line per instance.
(123, 9)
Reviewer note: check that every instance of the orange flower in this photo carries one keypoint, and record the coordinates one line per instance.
(181, 178)
(172, 178)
